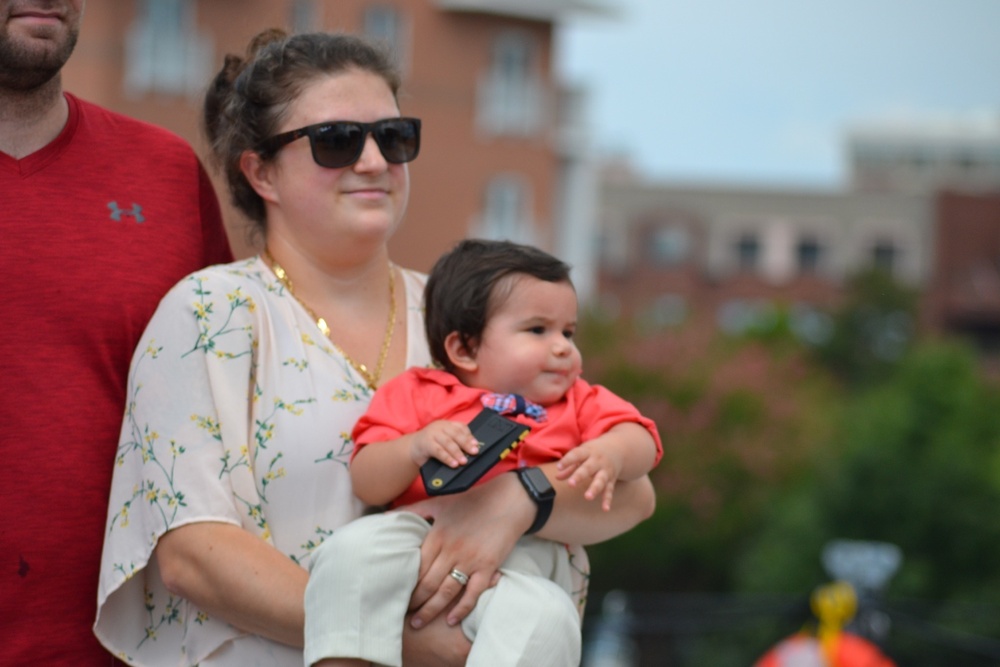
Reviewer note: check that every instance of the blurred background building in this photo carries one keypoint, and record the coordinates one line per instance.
(507, 154)
(501, 155)
(921, 204)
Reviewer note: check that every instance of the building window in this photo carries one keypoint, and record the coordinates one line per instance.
(885, 256)
(808, 255)
(667, 310)
(747, 252)
(739, 316)
(385, 24)
(510, 94)
(669, 246)
(505, 213)
(165, 53)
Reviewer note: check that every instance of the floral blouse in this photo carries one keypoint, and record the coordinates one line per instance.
(239, 411)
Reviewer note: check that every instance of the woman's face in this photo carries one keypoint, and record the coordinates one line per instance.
(345, 210)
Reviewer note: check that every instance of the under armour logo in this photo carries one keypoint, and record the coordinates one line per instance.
(117, 212)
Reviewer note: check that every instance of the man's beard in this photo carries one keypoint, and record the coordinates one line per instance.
(25, 69)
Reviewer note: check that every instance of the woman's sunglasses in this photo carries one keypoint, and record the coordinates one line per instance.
(339, 143)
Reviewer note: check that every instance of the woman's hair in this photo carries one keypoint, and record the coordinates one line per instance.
(246, 102)
(471, 281)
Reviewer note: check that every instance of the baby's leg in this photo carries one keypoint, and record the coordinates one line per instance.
(527, 619)
(359, 588)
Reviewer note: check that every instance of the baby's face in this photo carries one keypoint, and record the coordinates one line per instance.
(527, 346)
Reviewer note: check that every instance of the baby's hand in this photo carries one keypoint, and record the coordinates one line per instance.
(446, 441)
(592, 463)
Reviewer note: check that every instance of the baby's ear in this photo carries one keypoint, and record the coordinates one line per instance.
(459, 353)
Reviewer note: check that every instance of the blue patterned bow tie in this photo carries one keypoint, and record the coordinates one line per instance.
(513, 404)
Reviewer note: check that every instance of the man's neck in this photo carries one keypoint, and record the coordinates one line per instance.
(31, 120)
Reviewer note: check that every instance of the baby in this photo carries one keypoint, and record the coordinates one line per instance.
(500, 320)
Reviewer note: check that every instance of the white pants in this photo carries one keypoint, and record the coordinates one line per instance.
(362, 576)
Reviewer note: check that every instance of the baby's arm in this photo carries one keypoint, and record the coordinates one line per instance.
(624, 452)
(382, 471)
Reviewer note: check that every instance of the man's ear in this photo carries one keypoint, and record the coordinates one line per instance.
(258, 174)
(459, 353)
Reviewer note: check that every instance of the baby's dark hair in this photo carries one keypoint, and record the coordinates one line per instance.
(468, 283)
(248, 98)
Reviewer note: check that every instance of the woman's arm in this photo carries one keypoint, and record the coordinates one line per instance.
(229, 573)
(576, 520)
(475, 531)
(234, 575)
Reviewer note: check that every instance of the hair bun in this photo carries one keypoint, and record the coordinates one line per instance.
(263, 38)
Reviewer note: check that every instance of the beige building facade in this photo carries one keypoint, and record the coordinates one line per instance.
(725, 257)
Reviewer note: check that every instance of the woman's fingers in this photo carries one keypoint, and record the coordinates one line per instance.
(478, 582)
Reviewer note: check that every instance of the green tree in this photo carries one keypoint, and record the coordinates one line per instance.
(872, 330)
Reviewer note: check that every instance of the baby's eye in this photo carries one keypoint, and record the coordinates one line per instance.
(569, 333)
(537, 329)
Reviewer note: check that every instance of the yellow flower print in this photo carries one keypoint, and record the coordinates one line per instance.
(208, 424)
(274, 474)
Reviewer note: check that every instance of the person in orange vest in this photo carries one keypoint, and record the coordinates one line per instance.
(834, 605)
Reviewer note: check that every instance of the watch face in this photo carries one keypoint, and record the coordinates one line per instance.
(539, 482)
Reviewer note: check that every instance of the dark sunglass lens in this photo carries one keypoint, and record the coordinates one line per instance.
(399, 140)
(337, 144)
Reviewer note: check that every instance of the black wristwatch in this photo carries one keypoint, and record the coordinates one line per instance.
(538, 487)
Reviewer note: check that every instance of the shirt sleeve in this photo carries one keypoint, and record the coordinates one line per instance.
(394, 410)
(181, 459)
(598, 409)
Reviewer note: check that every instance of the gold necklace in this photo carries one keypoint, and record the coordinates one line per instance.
(370, 378)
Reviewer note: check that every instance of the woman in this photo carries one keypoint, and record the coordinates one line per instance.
(232, 463)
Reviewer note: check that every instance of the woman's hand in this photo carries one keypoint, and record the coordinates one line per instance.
(473, 533)
(436, 644)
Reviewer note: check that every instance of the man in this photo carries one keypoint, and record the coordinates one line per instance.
(99, 216)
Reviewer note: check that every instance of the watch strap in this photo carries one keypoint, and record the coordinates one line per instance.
(544, 498)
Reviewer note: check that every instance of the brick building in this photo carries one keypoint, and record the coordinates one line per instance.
(494, 161)
(964, 298)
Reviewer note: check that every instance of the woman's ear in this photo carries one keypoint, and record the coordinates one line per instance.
(258, 174)
(459, 353)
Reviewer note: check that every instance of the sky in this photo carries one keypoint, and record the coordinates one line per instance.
(764, 92)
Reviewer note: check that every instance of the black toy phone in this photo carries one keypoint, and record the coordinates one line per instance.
(497, 437)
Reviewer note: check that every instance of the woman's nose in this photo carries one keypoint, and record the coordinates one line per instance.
(371, 157)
